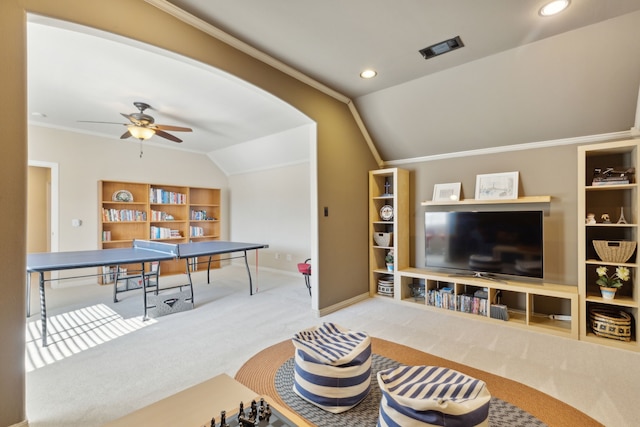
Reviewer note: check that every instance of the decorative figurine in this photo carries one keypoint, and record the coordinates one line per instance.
(591, 218)
(621, 220)
(387, 187)
(213, 422)
(605, 219)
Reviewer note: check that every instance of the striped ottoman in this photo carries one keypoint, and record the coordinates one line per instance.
(432, 396)
(332, 367)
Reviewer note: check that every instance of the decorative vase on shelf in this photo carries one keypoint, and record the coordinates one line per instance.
(389, 267)
(608, 293)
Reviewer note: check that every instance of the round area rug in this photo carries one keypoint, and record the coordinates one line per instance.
(365, 414)
(259, 374)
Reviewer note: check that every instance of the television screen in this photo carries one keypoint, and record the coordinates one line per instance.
(485, 243)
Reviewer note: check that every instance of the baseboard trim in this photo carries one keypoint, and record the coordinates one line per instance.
(24, 423)
(341, 305)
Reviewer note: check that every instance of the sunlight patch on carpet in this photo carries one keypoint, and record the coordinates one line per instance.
(76, 331)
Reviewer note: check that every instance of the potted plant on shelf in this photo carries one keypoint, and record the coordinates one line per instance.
(610, 284)
(389, 260)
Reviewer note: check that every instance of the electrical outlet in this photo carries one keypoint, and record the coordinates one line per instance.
(288, 257)
(277, 255)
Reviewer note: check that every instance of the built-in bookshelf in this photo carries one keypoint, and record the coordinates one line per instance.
(176, 214)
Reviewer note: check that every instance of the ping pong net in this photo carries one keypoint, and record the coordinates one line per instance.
(160, 247)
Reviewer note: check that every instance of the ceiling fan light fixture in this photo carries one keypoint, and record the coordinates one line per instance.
(141, 133)
(554, 7)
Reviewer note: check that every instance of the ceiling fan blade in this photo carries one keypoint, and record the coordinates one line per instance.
(173, 128)
(131, 119)
(125, 135)
(168, 136)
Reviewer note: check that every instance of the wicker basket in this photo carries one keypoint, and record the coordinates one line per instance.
(383, 239)
(611, 324)
(614, 250)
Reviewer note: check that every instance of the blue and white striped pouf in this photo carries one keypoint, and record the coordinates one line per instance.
(332, 367)
(432, 396)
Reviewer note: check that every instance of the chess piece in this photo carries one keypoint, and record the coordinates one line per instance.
(213, 422)
(241, 411)
(223, 419)
(267, 413)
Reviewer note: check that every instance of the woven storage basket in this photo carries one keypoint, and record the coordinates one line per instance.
(383, 239)
(611, 324)
(614, 251)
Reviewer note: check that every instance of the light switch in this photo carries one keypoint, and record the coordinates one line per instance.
(76, 222)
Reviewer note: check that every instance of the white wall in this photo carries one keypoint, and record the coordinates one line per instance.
(274, 207)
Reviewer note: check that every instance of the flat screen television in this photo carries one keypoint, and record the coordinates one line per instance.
(485, 244)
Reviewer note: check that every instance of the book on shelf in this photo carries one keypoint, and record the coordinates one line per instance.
(161, 196)
(609, 182)
(122, 215)
(164, 233)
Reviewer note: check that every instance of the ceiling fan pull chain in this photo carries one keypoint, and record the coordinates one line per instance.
(140, 149)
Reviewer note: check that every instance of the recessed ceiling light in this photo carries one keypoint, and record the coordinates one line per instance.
(368, 74)
(554, 7)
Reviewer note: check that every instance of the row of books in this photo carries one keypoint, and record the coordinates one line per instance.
(196, 231)
(200, 215)
(123, 215)
(445, 298)
(164, 233)
(106, 235)
(158, 195)
(160, 216)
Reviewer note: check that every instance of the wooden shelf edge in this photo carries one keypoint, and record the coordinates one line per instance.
(528, 199)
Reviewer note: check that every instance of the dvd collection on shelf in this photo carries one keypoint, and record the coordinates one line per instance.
(466, 303)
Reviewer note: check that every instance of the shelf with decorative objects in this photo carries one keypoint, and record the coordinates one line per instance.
(388, 228)
(607, 243)
(528, 199)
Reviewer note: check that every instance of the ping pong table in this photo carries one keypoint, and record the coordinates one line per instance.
(141, 252)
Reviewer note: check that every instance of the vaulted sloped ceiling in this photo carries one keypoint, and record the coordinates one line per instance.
(519, 78)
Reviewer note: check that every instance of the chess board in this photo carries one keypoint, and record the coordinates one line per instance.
(276, 419)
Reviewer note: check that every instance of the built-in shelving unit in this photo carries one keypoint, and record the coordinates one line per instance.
(167, 213)
(613, 199)
(388, 188)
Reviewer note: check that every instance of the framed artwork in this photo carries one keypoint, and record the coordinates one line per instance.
(497, 186)
(449, 192)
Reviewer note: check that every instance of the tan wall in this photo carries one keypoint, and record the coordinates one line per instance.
(13, 187)
(542, 172)
(39, 180)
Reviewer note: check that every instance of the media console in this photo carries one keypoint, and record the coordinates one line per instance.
(544, 307)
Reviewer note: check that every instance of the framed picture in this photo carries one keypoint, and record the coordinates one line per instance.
(497, 186)
(449, 192)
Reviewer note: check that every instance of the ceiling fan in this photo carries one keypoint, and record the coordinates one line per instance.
(142, 125)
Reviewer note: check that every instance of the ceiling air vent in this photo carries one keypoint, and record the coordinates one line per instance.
(442, 47)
